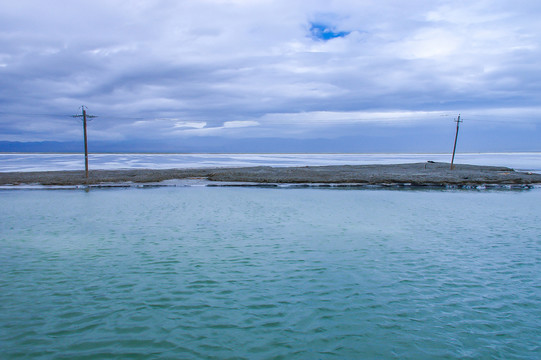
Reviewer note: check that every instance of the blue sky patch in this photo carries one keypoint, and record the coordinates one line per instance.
(324, 32)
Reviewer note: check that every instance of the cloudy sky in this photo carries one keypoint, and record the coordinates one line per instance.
(273, 75)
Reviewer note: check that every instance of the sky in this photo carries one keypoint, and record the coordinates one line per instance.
(271, 75)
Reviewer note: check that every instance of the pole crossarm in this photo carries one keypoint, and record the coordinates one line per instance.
(87, 116)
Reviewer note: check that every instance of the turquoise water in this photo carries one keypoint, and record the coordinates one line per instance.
(253, 273)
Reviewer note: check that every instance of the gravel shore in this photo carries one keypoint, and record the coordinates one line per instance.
(417, 174)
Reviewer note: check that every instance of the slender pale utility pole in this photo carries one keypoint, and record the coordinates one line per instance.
(458, 121)
(85, 116)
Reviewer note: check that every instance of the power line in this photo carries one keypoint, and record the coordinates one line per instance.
(8, 113)
(474, 118)
(503, 121)
(31, 114)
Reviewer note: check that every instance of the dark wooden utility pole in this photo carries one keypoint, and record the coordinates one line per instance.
(458, 121)
(85, 116)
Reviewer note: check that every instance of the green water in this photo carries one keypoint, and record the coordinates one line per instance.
(249, 273)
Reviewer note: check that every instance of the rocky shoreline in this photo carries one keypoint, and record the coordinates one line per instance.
(416, 174)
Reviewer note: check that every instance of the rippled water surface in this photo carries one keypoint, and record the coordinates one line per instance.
(218, 273)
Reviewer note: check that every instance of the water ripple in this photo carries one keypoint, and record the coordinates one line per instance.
(270, 274)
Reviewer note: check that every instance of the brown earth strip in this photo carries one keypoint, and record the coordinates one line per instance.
(415, 174)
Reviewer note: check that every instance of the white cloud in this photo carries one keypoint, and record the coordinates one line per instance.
(171, 68)
(190, 124)
(331, 118)
(239, 124)
(431, 43)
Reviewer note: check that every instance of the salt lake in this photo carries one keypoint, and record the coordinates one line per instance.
(199, 272)
(255, 273)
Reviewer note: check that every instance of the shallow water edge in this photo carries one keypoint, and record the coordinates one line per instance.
(218, 184)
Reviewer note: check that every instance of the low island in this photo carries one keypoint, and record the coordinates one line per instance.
(415, 174)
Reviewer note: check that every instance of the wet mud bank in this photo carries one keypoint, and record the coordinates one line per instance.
(414, 175)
